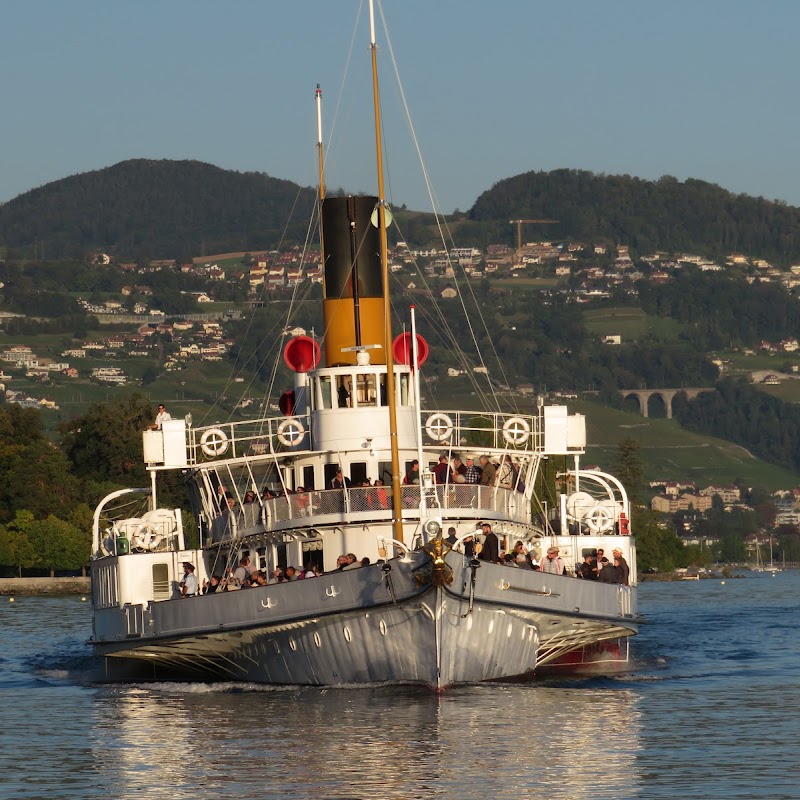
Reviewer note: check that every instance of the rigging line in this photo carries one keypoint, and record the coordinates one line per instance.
(309, 229)
(481, 391)
(233, 371)
(340, 95)
(431, 194)
(290, 310)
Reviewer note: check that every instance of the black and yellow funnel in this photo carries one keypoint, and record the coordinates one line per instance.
(353, 289)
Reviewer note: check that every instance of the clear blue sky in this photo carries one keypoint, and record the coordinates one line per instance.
(690, 88)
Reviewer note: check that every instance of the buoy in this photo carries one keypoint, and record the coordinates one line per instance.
(722, 583)
(83, 599)
(10, 599)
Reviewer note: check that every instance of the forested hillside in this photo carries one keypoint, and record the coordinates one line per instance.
(164, 209)
(176, 209)
(691, 216)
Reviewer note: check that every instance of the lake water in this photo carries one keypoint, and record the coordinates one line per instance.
(711, 710)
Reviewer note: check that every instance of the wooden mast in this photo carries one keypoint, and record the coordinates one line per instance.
(397, 501)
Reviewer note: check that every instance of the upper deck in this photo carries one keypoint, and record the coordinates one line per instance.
(552, 431)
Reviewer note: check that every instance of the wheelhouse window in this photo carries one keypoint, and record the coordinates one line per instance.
(365, 390)
(344, 391)
(325, 396)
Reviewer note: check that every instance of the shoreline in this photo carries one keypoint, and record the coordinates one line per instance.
(44, 587)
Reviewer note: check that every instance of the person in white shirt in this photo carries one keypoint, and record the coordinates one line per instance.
(189, 583)
(162, 416)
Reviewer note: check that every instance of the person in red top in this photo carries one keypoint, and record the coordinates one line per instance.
(442, 471)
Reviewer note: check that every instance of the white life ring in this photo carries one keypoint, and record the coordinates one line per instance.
(516, 430)
(439, 427)
(290, 432)
(146, 537)
(214, 442)
(599, 519)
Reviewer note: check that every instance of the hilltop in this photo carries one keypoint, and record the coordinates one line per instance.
(177, 209)
(668, 214)
(157, 208)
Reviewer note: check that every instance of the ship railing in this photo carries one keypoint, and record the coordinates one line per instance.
(376, 502)
(478, 432)
(248, 438)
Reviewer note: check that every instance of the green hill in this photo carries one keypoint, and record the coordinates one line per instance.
(169, 209)
(669, 452)
(667, 214)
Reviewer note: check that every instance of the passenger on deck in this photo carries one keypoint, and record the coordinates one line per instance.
(491, 545)
(600, 560)
(552, 562)
(412, 476)
(622, 566)
(220, 498)
(452, 535)
(259, 579)
(472, 472)
(343, 396)
(188, 584)
(307, 572)
(214, 585)
(277, 576)
(300, 502)
(365, 562)
(341, 562)
(352, 562)
(609, 573)
(505, 474)
(339, 481)
(381, 498)
(488, 472)
(241, 573)
(162, 416)
(442, 472)
(587, 569)
(291, 573)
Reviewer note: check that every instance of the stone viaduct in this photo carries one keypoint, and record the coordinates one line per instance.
(666, 395)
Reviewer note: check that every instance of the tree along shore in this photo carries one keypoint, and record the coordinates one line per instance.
(44, 587)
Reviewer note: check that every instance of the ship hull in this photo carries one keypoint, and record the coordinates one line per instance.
(368, 626)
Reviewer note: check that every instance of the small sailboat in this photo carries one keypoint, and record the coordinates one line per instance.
(358, 469)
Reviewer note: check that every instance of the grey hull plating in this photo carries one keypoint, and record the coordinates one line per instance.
(369, 626)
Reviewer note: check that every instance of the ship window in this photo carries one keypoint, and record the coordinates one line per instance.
(385, 472)
(330, 474)
(358, 472)
(403, 389)
(308, 478)
(162, 590)
(313, 554)
(344, 392)
(365, 390)
(383, 398)
(326, 392)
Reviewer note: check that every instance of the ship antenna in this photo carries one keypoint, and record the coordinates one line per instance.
(397, 502)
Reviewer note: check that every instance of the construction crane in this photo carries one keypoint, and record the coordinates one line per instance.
(520, 222)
